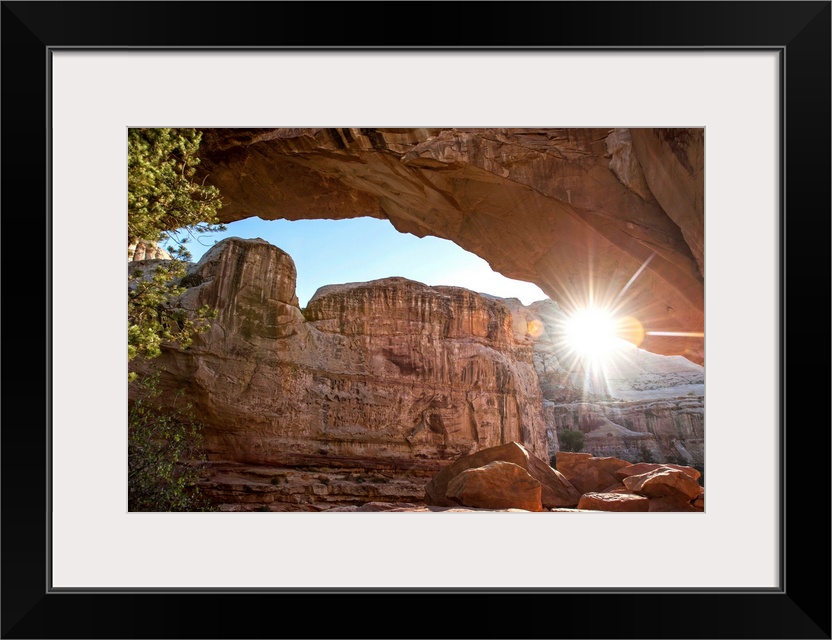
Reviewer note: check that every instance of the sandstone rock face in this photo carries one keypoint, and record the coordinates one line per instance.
(610, 484)
(645, 467)
(564, 208)
(497, 485)
(251, 284)
(376, 386)
(588, 473)
(572, 464)
(664, 483)
(391, 375)
(672, 161)
(671, 504)
(614, 502)
(145, 250)
(664, 430)
(556, 490)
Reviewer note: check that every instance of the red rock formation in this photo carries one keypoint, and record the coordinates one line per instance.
(699, 503)
(572, 210)
(646, 467)
(497, 485)
(664, 482)
(146, 250)
(391, 375)
(614, 502)
(556, 489)
(672, 504)
(588, 473)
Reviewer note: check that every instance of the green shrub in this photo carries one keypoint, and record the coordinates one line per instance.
(646, 454)
(164, 452)
(571, 440)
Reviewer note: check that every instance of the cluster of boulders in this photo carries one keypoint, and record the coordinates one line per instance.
(509, 477)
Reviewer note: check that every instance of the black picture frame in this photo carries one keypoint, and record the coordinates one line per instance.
(800, 608)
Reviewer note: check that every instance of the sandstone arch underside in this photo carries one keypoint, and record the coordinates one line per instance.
(573, 210)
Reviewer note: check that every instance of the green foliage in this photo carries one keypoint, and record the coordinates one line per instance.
(163, 198)
(646, 454)
(162, 193)
(164, 452)
(571, 440)
(153, 316)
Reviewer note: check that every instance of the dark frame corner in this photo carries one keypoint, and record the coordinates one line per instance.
(800, 30)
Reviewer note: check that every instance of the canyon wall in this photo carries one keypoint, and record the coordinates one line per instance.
(388, 372)
(375, 386)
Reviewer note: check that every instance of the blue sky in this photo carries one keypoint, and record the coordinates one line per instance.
(362, 249)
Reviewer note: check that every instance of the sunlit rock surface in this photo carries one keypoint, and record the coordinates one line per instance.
(571, 210)
(146, 250)
(373, 390)
(391, 376)
(556, 491)
(626, 502)
(497, 485)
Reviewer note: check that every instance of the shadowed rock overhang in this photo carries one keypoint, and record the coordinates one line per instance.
(615, 216)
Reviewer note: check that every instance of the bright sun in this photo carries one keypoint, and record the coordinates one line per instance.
(592, 334)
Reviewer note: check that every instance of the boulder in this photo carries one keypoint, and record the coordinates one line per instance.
(699, 502)
(593, 480)
(588, 473)
(572, 464)
(497, 485)
(645, 467)
(556, 490)
(614, 502)
(618, 487)
(664, 482)
(671, 504)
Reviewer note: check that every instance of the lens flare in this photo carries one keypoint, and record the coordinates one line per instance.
(535, 328)
(591, 333)
(630, 329)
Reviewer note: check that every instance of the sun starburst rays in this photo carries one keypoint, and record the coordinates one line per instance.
(599, 337)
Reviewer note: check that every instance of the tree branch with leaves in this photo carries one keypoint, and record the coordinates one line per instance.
(164, 200)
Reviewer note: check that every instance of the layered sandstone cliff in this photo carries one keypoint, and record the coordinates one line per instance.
(386, 375)
(373, 387)
(571, 210)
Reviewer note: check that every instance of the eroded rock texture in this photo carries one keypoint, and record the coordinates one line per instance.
(571, 210)
(391, 375)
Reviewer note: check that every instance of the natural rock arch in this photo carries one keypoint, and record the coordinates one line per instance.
(609, 214)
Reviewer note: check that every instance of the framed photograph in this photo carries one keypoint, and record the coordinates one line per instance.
(754, 77)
